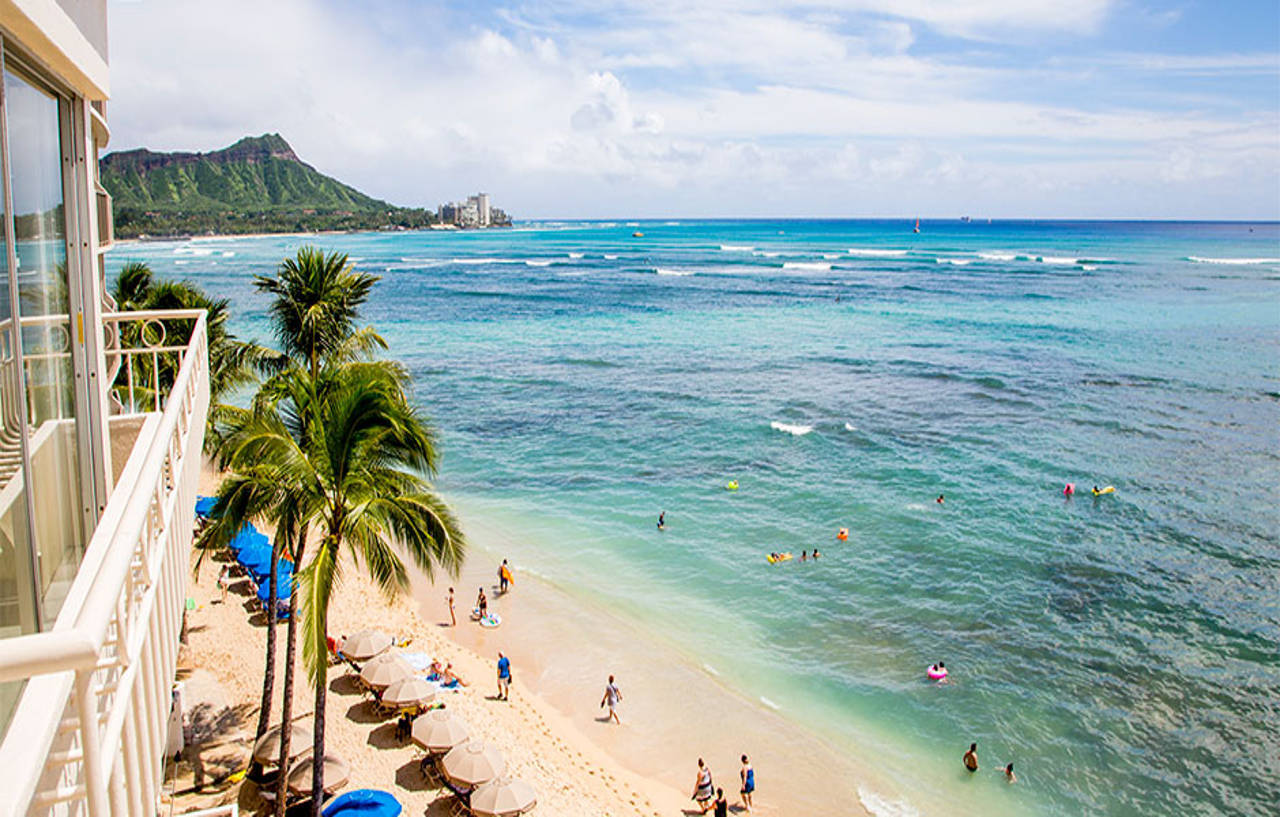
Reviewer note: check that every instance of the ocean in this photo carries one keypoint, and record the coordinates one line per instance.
(1123, 651)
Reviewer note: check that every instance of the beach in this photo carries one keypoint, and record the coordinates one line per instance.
(572, 776)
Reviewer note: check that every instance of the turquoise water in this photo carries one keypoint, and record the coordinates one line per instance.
(1123, 652)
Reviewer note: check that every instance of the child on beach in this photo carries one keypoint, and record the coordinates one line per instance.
(224, 581)
(748, 776)
(721, 804)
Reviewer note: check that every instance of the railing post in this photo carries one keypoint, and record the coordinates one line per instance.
(95, 786)
(131, 750)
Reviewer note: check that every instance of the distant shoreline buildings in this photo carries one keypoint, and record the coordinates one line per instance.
(475, 212)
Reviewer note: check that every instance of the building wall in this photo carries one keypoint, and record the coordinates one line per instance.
(90, 16)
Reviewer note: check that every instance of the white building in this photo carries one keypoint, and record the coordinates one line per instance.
(100, 443)
(482, 206)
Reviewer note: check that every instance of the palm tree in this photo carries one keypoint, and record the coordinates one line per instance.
(350, 452)
(317, 297)
(233, 363)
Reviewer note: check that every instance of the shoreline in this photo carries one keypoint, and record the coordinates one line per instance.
(221, 666)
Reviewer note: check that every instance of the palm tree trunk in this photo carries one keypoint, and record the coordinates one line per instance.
(269, 674)
(322, 688)
(290, 650)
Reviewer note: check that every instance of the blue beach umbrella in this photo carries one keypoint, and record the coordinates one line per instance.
(363, 803)
(205, 505)
(284, 581)
(256, 559)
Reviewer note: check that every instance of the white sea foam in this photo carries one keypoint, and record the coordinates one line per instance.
(916, 506)
(998, 256)
(575, 255)
(665, 271)
(228, 253)
(711, 670)
(736, 247)
(191, 251)
(868, 252)
(532, 263)
(671, 224)
(485, 260)
(831, 256)
(180, 263)
(881, 806)
(767, 253)
(850, 427)
(1088, 267)
(955, 262)
(611, 258)
(633, 224)
(809, 265)
(1201, 260)
(1057, 260)
(793, 429)
(770, 704)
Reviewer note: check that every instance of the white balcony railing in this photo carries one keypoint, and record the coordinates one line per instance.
(88, 733)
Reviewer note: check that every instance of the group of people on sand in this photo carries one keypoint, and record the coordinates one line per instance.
(505, 580)
(710, 797)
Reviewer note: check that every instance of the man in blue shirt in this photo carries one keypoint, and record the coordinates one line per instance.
(504, 677)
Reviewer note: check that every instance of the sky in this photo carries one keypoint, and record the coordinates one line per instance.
(734, 108)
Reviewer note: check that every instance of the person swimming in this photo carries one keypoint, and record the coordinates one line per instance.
(970, 758)
(816, 554)
(1008, 774)
(804, 555)
(940, 499)
(662, 521)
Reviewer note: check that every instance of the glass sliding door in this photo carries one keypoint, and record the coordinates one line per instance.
(40, 296)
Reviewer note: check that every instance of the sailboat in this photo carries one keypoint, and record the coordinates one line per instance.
(917, 229)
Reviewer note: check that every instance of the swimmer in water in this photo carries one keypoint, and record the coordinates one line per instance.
(940, 499)
(970, 758)
(804, 555)
(662, 521)
(816, 554)
(1008, 774)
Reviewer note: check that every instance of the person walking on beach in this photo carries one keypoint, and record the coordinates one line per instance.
(453, 619)
(504, 677)
(224, 581)
(970, 758)
(722, 805)
(612, 697)
(504, 577)
(703, 790)
(748, 776)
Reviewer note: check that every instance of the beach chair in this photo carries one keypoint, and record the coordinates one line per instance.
(462, 798)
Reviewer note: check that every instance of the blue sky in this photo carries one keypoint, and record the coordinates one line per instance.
(1037, 108)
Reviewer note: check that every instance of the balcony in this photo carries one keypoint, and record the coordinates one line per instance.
(88, 733)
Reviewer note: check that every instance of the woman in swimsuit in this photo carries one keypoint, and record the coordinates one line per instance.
(703, 791)
(482, 603)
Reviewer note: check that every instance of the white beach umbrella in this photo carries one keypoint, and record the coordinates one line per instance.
(504, 797)
(366, 644)
(439, 731)
(473, 763)
(409, 692)
(267, 750)
(336, 774)
(382, 674)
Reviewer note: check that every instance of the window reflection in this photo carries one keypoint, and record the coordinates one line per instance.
(35, 178)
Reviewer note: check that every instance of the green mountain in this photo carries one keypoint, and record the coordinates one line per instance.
(256, 185)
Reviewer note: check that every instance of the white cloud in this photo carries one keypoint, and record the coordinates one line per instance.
(753, 112)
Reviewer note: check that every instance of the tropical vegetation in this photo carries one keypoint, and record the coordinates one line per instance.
(331, 449)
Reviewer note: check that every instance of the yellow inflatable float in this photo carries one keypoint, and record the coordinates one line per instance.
(732, 486)
(778, 558)
(1110, 489)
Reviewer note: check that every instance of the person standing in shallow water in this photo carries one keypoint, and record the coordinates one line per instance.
(1008, 774)
(970, 758)
(453, 619)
